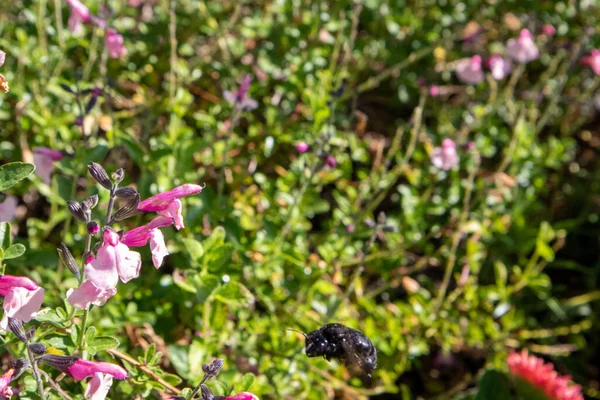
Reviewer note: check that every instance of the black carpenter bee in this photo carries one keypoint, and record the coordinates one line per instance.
(339, 341)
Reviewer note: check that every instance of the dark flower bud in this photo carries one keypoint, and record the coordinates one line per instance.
(126, 192)
(370, 223)
(118, 175)
(92, 227)
(381, 218)
(99, 174)
(128, 210)
(37, 348)
(330, 161)
(59, 362)
(213, 368)
(79, 121)
(92, 201)
(20, 365)
(67, 259)
(76, 210)
(16, 327)
(207, 394)
(388, 228)
(31, 333)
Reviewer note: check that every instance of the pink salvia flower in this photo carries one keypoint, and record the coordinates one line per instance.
(240, 97)
(445, 157)
(243, 396)
(593, 60)
(543, 376)
(113, 260)
(84, 368)
(168, 204)
(8, 282)
(499, 66)
(8, 209)
(79, 14)
(98, 386)
(140, 236)
(469, 70)
(5, 389)
(548, 30)
(302, 147)
(44, 159)
(113, 41)
(2, 57)
(434, 90)
(522, 49)
(87, 294)
(21, 304)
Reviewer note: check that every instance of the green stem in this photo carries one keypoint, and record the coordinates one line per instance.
(36, 374)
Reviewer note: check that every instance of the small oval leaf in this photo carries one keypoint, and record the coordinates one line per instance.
(14, 251)
(12, 173)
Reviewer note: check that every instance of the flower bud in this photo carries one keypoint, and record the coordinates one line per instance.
(92, 227)
(207, 394)
(59, 362)
(126, 192)
(370, 223)
(99, 174)
(213, 368)
(20, 365)
(68, 260)
(128, 210)
(37, 348)
(118, 175)
(76, 210)
(16, 327)
(88, 257)
(92, 201)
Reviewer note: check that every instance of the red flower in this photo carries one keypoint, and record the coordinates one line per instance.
(543, 376)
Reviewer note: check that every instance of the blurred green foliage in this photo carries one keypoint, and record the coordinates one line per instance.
(513, 231)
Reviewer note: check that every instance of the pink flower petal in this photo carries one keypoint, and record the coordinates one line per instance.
(469, 70)
(21, 304)
(87, 294)
(113, 41)
(157, 247)
(8, 282)
(243, 396)
(2, 57)
(102, 271)
(445, 157)
(174, 212)
(128, 263)
(161, 201)
(98, 386)
(83, 368)
(523, 49)
(5, 389)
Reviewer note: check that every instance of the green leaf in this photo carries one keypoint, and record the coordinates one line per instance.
(13, 173)
(527, 391)
(235, 294)
(5, 236)
(545, 251)
(14, 251)
(75, 334)
(194, 249)
(493, 386)
(172, 379)
(205, 285)
(218, 257)
(90, 334)
(101, 343)
(149, 353)
(245, 383)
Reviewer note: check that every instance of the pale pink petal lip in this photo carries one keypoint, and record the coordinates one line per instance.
(161, 201)
(83, 368)
(87, 294)
(173, 212)
(158, 247)
(128, 263)
(102, 271)
(21, 304)
(2, 57)
(98, 387)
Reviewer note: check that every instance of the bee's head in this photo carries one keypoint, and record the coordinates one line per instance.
(316, 344)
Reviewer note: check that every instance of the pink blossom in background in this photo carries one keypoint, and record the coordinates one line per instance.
(499, 66)
(522, 49)
(548, 30)
(113, 41)
(135, 3)
(83, 368)
(2, 57)
(168, 204)
(44, 159)
(21, 304)
(114, 260)
(593, 61)
(302, 147)
(8, 209)
(5, 389)
(330, 161)
(542, 375)
(8, 282)
(87, 294)
(80, 14)
(445, 157)
(240, 97)
(469, 70)
(434, 90)
(98, 387)
(243, 396)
